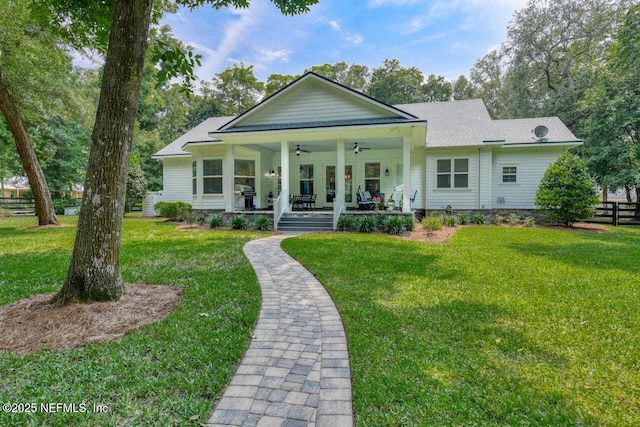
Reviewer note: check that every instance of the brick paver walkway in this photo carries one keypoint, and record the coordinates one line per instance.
(296, 370)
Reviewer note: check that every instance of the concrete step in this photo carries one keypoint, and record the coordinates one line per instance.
(306, 222)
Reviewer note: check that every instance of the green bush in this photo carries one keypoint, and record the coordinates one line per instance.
(215, 221)
(448, 220)
(365, 224)
(394, 225)
(239, 222)
(478, 219)
(60, 204)
(497, 220)
(529, 221)
(566, 193)
(463, 219)
(261, 222)
(345, 223)
(513, 219)
(381, 222)
(172, 210)
(408, 223)
(431, 223)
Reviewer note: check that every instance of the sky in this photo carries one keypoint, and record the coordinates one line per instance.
(441, 37)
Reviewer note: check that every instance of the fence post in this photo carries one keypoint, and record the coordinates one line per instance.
(615, 214)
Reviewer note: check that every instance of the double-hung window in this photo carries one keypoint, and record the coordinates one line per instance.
(509, 174)
(452, 173)
(212, 176)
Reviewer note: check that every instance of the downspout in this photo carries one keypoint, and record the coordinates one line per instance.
(478, 191)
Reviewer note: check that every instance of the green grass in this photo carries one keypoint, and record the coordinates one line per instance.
(501, 326)
(166, 373)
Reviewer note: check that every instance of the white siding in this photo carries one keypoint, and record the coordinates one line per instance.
(313, 103)
(457, 198)
(418, 178)
(486, 177)
(531, 164)
(176, 180)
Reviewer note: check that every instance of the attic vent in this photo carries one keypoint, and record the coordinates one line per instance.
(540, 132)
(500, 200)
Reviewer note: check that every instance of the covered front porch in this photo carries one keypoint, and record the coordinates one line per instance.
(272, 169)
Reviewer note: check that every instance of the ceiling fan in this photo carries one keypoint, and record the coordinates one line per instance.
(357, 148)
(301, 150)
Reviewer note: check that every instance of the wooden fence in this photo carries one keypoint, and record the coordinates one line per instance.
(617, 213)
(18, 205)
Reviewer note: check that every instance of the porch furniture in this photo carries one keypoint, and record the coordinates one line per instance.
(304, 201)
(365, 201)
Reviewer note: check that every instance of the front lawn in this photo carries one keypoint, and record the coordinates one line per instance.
(501, 326)
(166, 373)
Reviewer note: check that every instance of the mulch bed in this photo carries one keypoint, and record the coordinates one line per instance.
(32, 324)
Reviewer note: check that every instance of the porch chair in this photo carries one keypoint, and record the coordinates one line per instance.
(365, 201)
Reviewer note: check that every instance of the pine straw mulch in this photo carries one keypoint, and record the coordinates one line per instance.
(33, 324)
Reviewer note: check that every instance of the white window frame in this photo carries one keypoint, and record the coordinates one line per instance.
(452, 173)
(505, 174)
(220, 176)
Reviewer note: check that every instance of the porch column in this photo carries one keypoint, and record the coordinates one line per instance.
(406, 174)
(284, 167)
(340, 169)
(228, 178)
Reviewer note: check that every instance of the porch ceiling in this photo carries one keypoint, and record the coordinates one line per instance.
(330, 145)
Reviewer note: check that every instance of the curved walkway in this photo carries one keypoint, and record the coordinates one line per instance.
(296, 370)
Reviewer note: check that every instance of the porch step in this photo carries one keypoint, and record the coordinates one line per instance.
(306, 222)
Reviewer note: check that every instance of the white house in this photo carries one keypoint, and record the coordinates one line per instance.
(316, 136)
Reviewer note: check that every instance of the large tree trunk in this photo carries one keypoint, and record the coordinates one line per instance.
(37, 182)
(94, 273)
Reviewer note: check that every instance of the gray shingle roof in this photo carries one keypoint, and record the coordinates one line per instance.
(449, 124)
(199, 133)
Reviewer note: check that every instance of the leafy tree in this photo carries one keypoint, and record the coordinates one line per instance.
(462, 89)
(550, 47)
(436, 88)
(136, 183)
(566, 193)
(486, 77)
(612, 109)
(237, 89)
(354, 76)
(94, 271)
(30, 66)
(394, 84)
(275, 82)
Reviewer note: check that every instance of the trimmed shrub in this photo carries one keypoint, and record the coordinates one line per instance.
(448, 220)
(365, 224)
(394, 225)
(172, 210)
(463, 219)
(566, 192)
(262, 223)
(497, 220)
(345, 223)
(215, 221)
(478, 219)
(239, 222)
(431, 223)
(408, 223)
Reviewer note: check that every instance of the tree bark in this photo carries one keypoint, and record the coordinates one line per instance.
(24, 145)
(94, 272)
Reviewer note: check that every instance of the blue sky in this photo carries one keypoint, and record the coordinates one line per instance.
(442, 37)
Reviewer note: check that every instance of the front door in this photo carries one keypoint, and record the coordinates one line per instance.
(330, 184)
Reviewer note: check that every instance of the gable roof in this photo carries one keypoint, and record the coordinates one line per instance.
(315, 101)
(200, 133)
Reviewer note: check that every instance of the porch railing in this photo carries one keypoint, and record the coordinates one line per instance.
(339, 206)
(278, 210)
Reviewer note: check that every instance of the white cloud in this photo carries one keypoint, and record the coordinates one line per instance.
(355, 39)
(283, 55)
(334, 25)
